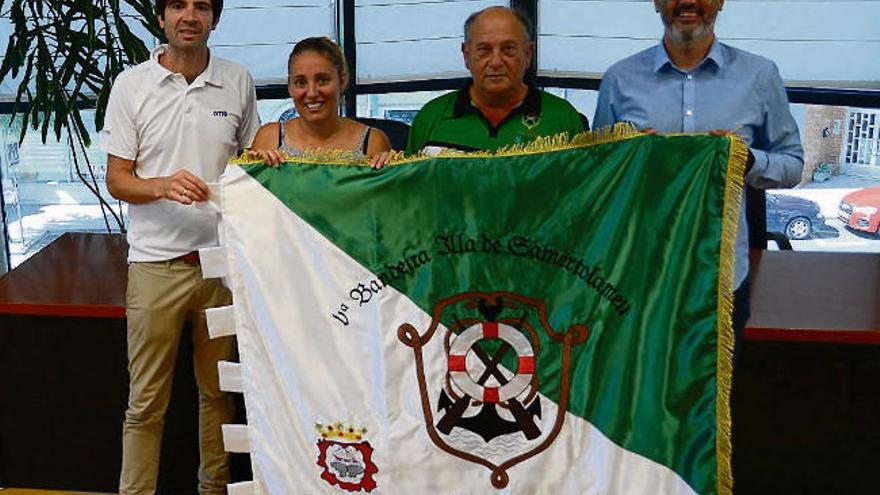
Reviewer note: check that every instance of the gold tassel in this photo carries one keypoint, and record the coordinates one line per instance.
(733, 193)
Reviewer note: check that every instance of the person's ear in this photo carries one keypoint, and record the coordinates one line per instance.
(530, 51)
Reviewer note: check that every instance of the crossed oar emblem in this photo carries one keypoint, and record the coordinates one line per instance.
(507, 390)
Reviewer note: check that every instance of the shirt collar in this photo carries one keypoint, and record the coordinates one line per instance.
(530, 106)
(715, 56)
(211, 74)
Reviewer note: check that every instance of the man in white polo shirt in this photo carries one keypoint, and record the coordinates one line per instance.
(172, 123)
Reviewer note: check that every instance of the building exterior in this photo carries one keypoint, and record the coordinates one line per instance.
(823, 135)
(863, 140)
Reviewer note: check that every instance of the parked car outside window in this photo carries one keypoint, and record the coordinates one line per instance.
(798, 218)
(859, 210)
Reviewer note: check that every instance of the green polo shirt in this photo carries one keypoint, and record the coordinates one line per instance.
(452, 121)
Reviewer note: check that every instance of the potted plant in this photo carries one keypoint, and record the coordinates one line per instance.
(65, 55)
(822, 172)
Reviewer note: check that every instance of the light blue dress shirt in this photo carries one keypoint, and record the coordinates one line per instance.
(730, 89)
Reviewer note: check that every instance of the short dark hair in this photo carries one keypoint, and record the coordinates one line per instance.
(216, 6)
(520, 16)
(325, 47)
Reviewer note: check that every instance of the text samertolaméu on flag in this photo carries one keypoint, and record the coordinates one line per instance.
(554, 319)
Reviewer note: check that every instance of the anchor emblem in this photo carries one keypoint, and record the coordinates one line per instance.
(491, 384)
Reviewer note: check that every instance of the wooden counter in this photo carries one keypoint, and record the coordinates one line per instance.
(815, 297)
(78, 274)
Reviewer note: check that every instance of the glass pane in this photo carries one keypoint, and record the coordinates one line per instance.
(836, 34)
(261, 36)
(4, 266)
(584, 100)
(400, 40)
(43, 194)
(837, 205)
(394, 106)
(275, 110)
(567, 27)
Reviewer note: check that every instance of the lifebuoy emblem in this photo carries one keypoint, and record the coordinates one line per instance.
(467, 339)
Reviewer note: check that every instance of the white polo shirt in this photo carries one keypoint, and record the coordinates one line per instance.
(164, 125)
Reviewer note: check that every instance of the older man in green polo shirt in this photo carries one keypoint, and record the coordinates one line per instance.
(497, 108)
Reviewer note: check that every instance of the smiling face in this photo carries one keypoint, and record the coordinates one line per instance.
(497, 52)
(315, 85)
(688, 21)
(188, 23)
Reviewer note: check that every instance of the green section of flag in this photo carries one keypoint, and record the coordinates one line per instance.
(621, 237)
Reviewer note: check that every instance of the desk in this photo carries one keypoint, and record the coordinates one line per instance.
(806, 395)
(63, 364)
(815, 297)
(76, 275)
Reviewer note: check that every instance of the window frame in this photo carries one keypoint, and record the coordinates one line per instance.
(345, 27)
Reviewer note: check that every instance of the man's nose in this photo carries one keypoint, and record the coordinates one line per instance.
(189, 13)
(496, 58)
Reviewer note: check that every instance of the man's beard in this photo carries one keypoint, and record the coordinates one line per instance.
(697, 33)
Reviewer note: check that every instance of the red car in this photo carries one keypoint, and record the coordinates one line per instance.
(860, 210)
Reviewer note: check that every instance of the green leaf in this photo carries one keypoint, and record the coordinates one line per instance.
(80, 127)
(68, 53)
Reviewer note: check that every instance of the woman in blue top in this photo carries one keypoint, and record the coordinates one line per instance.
(317, 77)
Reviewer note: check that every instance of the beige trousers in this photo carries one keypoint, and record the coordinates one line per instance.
(161, 297)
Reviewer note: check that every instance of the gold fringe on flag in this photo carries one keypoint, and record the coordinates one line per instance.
(317, 156)
(544, 144)
(733, 195)
(617, 132)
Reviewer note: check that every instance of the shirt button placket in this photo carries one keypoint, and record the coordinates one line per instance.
(689, 100)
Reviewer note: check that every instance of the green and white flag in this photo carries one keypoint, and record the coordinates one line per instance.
(549, 320)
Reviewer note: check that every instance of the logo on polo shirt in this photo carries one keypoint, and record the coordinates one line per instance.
(530, 121)
(221, 113)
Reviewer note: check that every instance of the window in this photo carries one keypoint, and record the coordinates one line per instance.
(862, 140)
(260, 36)
(835, 207)
(404, 40)
(402, 46)
(583, 37)
(43, 194)
(584, 100)
(394, 106)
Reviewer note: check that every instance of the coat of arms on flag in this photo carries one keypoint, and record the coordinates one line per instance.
(346, 457)
(481, 399)
(554, 318)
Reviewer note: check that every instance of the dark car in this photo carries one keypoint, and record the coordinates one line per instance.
(796, 217)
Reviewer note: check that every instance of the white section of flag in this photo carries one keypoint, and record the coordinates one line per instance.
(305, 367)
(230, 376)
(236, 438)
(221, 321)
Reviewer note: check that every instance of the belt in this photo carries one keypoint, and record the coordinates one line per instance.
(190, 258)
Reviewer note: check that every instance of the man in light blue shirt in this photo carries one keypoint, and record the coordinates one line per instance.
(691, 82)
